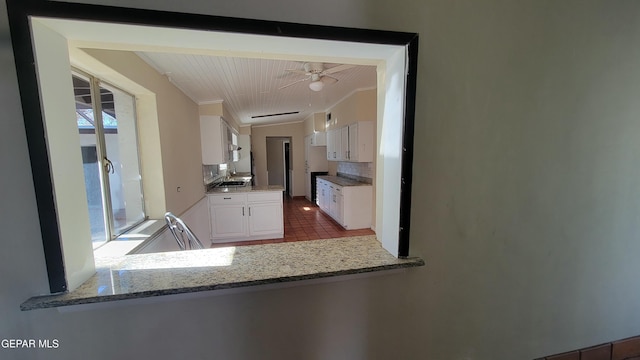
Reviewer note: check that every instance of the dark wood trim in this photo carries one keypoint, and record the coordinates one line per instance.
(19, 12)
(131, 16)
(407, 147)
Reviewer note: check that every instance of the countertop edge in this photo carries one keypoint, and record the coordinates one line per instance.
(54, 301)
(244, 189)
(342, 181)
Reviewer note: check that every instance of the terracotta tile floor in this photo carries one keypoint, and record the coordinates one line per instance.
(303, 221)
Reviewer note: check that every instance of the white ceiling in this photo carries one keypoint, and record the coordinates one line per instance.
(253, 87)
(244, 71)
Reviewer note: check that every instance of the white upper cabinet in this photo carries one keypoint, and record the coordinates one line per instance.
(334, 145)
(354, 142)
(319, 139)
(343, 153)
(217, 140)
(361, 142)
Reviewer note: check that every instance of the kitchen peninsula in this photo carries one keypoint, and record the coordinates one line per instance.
(245, 212)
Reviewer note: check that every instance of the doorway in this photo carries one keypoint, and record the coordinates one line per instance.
(288, 174)
(279, 167)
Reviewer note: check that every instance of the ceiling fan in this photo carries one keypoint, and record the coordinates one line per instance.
(318, 74)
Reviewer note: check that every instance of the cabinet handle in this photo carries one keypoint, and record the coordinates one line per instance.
(243, 211)
(227, 198)
(334, 154)
(249, 210)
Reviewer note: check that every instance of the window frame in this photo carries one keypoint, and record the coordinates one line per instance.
(95, 81)
(20, 11)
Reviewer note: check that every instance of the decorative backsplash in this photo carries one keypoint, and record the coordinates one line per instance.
(357, 171)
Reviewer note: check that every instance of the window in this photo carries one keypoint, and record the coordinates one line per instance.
(44, 30)
(106, 125)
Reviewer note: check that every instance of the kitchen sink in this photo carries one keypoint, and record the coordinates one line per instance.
(233, 183)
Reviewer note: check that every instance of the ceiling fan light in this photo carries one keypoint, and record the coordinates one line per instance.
(316, 85)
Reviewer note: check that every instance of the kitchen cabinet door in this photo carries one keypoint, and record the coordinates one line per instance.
(330, 145)
(319, 196)
(322, 193)
(228, 221)
(344, 142)
(361, 141)
(319, 138)
(213, 135)
(334, 145)
(265, 218)
(356, 207)
(336, 206)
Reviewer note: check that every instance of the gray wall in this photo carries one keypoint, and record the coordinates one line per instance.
(526, 205)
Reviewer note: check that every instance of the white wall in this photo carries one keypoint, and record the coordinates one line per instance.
(63, 143)
(178, 124)
(527, 177)
(525, 206)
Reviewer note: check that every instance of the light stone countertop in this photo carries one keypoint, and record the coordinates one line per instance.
(342, 181)
(244, 189)
(148, 275)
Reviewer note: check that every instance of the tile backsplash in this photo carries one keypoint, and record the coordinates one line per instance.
(210, 173)
(361, 171)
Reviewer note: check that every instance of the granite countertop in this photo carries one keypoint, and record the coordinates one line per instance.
(342, 181)
(244, 189)
(148, 275)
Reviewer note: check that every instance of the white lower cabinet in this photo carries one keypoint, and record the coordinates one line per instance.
(227, 221)
(336, 208)
(265, 219)
(248, 216)
(350, 206)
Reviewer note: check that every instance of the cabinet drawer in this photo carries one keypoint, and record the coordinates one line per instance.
(227, 199)
(264, 196)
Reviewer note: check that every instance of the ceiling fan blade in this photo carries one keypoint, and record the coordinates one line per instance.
(297, 71)
(293, 83)
(329, 80)
(338, 68)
